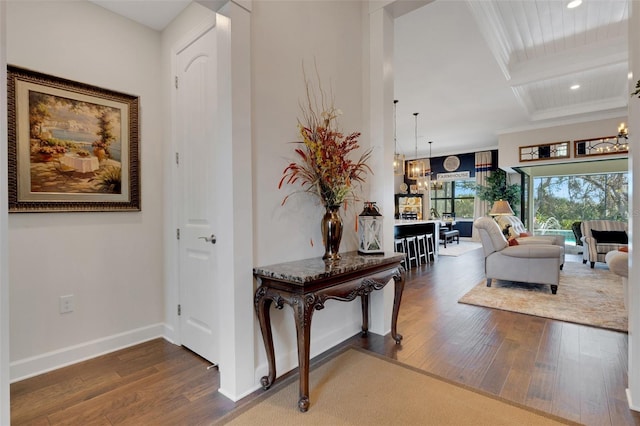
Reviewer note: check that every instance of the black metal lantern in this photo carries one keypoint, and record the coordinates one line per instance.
(370, 230)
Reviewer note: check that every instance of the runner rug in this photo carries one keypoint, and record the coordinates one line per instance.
(585, 296)
(455, 249)
(360, 388)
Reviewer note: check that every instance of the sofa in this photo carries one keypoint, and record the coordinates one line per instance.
(518, 232)
(527, 263)
(599, 237)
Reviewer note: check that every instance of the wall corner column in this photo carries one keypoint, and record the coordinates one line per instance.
(237, 319)
(380, 91)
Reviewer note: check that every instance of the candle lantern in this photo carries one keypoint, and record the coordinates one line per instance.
(370, 230)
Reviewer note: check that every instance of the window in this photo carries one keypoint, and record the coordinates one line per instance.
(561, 200)
(455, 197)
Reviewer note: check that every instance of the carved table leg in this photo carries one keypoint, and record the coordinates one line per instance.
(262, 305)
(364, 298)
(399, 288)
(303, 311)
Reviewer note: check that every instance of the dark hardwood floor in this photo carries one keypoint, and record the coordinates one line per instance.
(573, 371)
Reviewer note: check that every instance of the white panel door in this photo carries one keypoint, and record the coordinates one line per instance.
(196, 112)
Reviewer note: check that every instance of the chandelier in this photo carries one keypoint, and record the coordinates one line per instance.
(417, 167)
(398, 159)
(623, 132)
(434, 183)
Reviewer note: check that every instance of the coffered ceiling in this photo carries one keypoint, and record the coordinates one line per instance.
(475, 69)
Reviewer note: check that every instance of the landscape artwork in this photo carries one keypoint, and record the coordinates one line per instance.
(72, 147)
(75, 147)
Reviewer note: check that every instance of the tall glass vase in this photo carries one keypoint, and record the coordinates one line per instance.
(331, 232)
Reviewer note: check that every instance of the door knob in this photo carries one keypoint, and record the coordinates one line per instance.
(211, 239)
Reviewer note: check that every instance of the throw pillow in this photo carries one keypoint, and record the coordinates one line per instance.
(624, 249)
(610, 237)
(525, 234)
(513, 242)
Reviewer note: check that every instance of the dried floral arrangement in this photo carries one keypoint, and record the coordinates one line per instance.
(323, 167)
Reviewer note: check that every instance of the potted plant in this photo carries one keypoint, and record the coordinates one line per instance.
(498, 188)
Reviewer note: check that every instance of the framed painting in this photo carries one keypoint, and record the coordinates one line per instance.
(72, 147)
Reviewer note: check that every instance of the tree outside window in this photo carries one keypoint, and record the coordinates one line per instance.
(455, 197)
(562, 200)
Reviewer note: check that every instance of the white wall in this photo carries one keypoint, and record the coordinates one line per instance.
(633, 392)
(284, 35)
(509, 143)
(110, 262)
(4, 261)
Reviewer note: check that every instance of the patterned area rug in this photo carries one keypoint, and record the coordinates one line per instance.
(455, 249)
(585, 296)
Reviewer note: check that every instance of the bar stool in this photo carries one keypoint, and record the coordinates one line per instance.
(431, 247)
(421, 241)
(401, 247)
(412, 250)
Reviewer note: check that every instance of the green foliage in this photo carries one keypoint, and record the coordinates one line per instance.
(105, 128)
(109, 180)
(637, 91)
(497, 188)
(570, 199)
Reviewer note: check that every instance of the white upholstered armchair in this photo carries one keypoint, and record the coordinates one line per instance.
(528, 263)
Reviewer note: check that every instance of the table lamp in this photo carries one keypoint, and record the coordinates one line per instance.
(501, 208)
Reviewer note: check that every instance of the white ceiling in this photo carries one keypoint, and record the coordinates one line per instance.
(474, 69)
(155, 14)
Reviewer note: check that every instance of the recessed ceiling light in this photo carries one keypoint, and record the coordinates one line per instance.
(574, 3)
(575, 87)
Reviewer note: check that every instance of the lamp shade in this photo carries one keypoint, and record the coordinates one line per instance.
(501, 208)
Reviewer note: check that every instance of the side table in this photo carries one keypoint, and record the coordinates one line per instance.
(306, 285)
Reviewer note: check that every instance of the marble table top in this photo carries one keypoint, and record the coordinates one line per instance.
(314, 269)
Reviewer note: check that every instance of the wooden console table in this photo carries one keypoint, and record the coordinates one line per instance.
(305, 285)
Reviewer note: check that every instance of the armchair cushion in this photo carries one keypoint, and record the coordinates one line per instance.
(518, 230)
(516, 225)
(533, 251)
(615, 237)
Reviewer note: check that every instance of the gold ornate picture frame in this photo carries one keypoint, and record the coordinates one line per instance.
(72, 147)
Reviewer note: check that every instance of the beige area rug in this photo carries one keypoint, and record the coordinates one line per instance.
(585, 296)
(455, 249)
(360, 388)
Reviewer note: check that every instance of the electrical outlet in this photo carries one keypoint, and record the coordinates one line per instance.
(66, 304)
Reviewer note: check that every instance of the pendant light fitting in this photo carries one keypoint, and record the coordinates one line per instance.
(398, 159)
(417, 167)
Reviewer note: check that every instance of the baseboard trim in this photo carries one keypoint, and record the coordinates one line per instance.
(29, 367)
(289, 360)
(630, 402)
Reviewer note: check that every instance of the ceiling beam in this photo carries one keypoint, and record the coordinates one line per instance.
(588, 57)
(614, 103)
